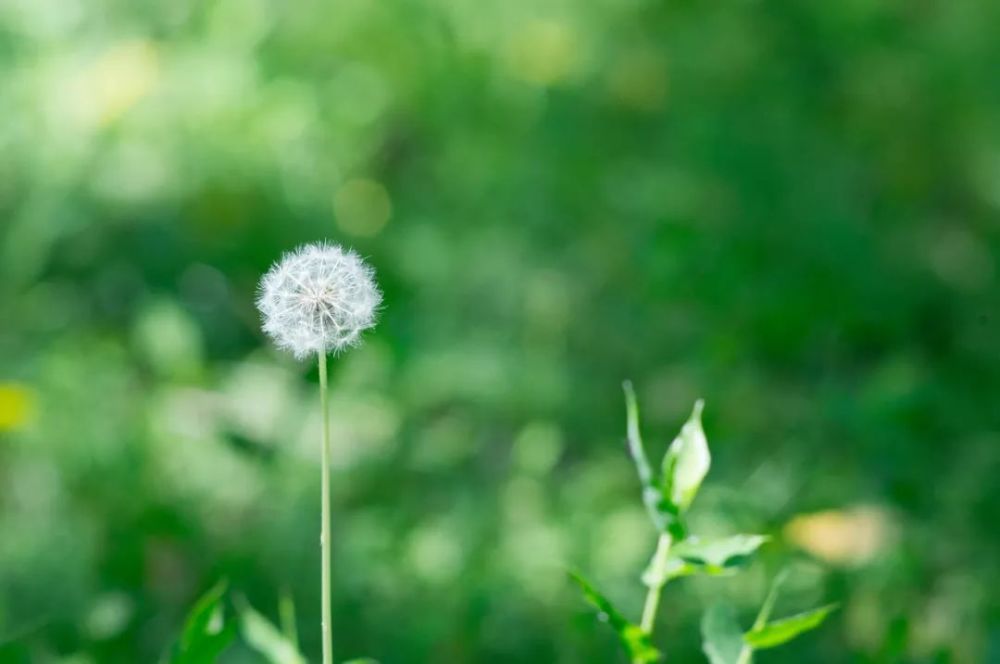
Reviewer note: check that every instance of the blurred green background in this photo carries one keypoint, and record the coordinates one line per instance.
(790, 208)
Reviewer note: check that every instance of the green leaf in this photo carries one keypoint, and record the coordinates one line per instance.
(362, 660)
(713, 557)
(782, 631)
(687, 462)
(664, 514)
(635, 641)
(264, 637)
(208, 631)
(721, 636)
(718, 556)
(204, 612)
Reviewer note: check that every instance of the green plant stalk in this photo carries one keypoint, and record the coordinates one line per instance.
(746, 653)
(325, 515)
(653, 595)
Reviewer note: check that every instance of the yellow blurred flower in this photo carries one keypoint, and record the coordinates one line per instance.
(17, 406)
(843, 537)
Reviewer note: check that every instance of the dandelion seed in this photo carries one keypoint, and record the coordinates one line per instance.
(318, 299)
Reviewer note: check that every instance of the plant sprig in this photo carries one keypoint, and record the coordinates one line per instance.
(667, 494)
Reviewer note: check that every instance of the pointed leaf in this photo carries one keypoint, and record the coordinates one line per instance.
(664, 514)
(713, 557)
(203, 613)
(635, 641)
(721, 636)
(635, 446)
(717, 556)
(208, 631)
(687, 462)
(782, 631)
(264, 637)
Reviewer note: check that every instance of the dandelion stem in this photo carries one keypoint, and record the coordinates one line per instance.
(325, 515)
(653, 595)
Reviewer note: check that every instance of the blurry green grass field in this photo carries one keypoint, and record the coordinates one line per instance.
(791, 209)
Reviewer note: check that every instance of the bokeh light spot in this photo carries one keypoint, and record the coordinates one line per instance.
(638, 80)
(17, 406)
(362, 207)
(122, 76)
(544, 52)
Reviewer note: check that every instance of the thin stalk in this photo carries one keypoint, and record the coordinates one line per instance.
(325, 515)
(653, 595)
(746, 653)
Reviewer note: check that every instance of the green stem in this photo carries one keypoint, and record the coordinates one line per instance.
(653, 595)
(746, 653)
(325, 515)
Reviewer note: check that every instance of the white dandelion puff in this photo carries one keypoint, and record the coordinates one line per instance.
(318, 299)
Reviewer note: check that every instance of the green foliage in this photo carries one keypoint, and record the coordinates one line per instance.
(722, 638)
(633, 639)
(684, 467)
(664, 513)
(264, 637)
(208, 631)
(724, 642)
(667, 497)
(781, 631)
(687, 462)
(772, 596)
(713, 557)
(789, 208)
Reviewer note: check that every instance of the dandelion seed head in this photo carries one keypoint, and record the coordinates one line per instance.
(318, 298)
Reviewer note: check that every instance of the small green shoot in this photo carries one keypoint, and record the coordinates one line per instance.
(667, 493)
(208, 631)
